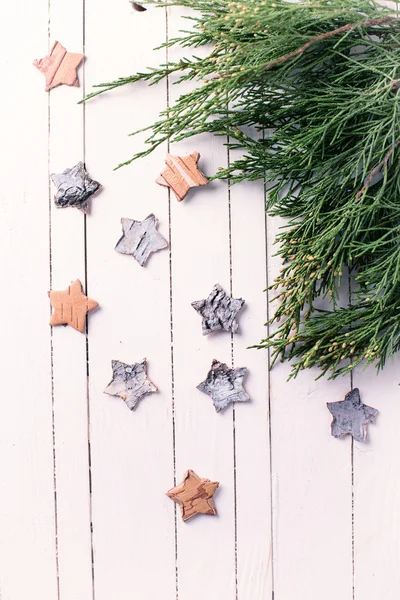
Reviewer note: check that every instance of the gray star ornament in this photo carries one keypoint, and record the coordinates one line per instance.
(130, 382)
(74, 187)
(219, 311)
(351, 416)
(140, 238)
(224, 385)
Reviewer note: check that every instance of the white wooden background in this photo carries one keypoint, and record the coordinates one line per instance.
(83, 511)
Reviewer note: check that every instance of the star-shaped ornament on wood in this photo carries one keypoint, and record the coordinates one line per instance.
(71, 306)
(219, 311)
(130, 382)
(59, 67)
(181, 174)
(351, 416)
(194, 495)
(140, 239)
(224, 385)
(74, 187)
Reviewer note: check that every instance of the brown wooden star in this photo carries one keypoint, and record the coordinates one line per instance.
(181, 174)
(71, 306)
(194, 495)
(59, 67)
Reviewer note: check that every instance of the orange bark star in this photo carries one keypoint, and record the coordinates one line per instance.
(181, 174)
(194, 495)
(59, 67)
(71, 306)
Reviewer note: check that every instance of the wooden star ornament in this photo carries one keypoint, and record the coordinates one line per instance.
(130, 382)
(181, 174)
(351, 417)
(224, 385)
(194, 495)
(140, 239)
(71, 306)
(74, 187)
(218, 311)
(59, 67)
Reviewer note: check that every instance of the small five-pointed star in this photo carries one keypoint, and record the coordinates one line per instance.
(194, 495)
(351, 416)
(140, 239)
(130, 382)
(181, 174)
(74, 187)
(224, 385)
(71, 306)
(59, 67)
(219, 311)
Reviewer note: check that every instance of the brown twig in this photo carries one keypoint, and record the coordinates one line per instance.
(376, 170)
(326, 35)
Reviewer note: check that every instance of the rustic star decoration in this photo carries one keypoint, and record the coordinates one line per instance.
(130, 382)
(71, 306)
(181, 174)
(351, 416)
(224, 385)
(59, 67)
(219, 311)
(140, 239)
(74, 187)
(194, 495)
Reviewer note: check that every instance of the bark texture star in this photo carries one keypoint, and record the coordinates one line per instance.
(194, 495)
(71, 306)
(74, 187)
(224, 385)
(351, 416)
(130, 382)
(219, 311)
(140, 238)
(59, 67)
(181, 174)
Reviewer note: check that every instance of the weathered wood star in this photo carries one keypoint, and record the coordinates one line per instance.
(71, 306)
(140, 238)
(74, 187)
(130, 382)
(224, 385)
(181, 174)
(194, 495)
(351, 416)
(218, 311)
(59, 67)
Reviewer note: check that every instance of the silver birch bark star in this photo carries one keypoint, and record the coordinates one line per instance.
(218, 311)
(140, 238)
(351, 416)
(130, 382)
(224, 385)
(74, 187)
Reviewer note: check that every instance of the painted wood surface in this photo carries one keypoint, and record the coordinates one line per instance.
(83, 508)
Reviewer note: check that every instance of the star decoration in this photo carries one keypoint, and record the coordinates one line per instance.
(74, 187)
(351, 416)
(140, 238)
(219, 311)
(59, 67)
(181, 174)
(71, 306)
(194, 495)
(130, 382)
(224, 385)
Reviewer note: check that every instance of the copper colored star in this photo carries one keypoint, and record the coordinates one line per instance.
(71, 306)
(194, 495)
(59, 67)
(181, 174)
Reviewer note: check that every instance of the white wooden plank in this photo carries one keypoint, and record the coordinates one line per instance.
(204, 439)
(132, 453)
(69, 346)
(311, 472)
(27, 541)
(249, 271)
